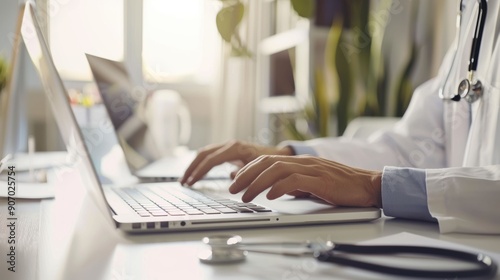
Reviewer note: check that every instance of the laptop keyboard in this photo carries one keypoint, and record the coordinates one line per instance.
(160, 201)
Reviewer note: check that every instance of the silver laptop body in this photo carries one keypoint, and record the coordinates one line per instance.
(116, 90)
(122, 203)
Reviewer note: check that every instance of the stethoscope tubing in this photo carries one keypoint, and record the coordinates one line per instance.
(470, 88)
(487, 267)
(223, 249)
(478, 35)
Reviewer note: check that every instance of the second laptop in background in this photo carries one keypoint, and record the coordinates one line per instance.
(132, 140)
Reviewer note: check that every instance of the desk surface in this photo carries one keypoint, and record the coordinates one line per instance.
(56, 244)
(114, 255)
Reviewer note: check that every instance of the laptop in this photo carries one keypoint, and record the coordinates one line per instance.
(167, 206)
(120, 101)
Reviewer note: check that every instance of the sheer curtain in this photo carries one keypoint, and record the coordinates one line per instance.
(235, 104)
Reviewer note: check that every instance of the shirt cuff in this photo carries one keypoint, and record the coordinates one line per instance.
(299, 148)
(404, 193)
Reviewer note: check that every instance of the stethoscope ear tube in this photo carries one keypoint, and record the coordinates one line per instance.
(487, 268)
(478, 35)
(469, 89)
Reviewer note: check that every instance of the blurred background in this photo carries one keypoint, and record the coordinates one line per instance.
(255, 70)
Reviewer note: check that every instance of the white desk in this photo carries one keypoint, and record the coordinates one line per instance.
(80, 244)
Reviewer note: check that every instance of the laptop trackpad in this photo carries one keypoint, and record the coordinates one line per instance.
(296, 206)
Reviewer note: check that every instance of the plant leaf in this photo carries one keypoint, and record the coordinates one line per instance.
(228, 19)
(3, 73)
(304, 8)
(405, 86)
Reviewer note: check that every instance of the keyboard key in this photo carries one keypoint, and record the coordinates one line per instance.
(242, 209)
(194, 212)
(176, 213)
(226, 210)
(158, 200)
(159, 214)
(245, 205)
(262, 210)
(210, 211)
(255, 207)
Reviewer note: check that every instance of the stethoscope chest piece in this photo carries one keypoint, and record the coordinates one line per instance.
(222, 255)
(223, 250)
(470, 92)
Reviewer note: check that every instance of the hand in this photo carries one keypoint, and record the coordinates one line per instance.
(331, 181)
(237, 152)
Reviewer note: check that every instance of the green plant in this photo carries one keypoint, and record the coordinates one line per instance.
(357, 61)
(231, 14)
(228, 20)
(3, 73)
(354, 62)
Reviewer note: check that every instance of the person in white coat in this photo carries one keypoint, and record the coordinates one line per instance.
(441, 162)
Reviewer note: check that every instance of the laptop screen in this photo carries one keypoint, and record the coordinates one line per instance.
(114, 85)
(121, 102)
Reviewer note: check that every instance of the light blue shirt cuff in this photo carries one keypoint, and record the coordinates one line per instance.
(302, 149)
(404, 193)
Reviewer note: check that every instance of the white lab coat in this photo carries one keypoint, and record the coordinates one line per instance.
(457, 144)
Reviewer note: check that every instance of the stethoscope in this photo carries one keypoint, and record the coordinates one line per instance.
(227, 249)
(469, 88)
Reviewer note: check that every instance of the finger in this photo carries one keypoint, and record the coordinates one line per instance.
(233, 174)
(274, 174)
(252, 170)
(249, 172)
(258, 160)
(197, 160)
(254, 154)
(229, 152)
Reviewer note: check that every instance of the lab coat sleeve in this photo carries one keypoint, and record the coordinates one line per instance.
(404, 193)
(465, 199)
(417, 140)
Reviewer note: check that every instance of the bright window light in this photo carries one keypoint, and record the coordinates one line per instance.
(84, 26)
(180, 40)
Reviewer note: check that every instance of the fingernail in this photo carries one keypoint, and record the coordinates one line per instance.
(190, 181)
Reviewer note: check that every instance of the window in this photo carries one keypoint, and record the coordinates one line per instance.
(84, 26)
(180, 42)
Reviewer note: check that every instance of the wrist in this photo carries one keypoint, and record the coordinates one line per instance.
(376, 189)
